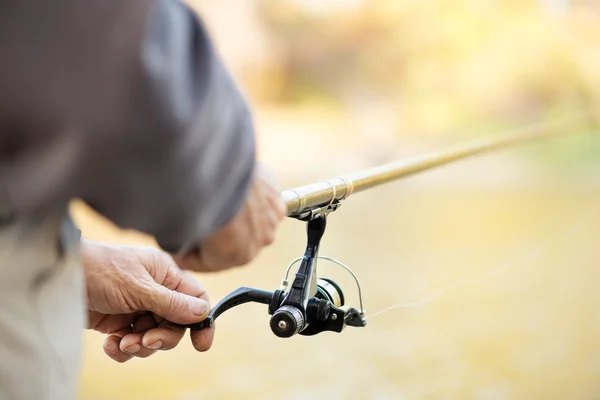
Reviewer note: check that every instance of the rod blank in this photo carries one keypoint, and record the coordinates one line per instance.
(318, 194)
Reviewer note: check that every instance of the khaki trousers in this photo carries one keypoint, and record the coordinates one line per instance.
(42, 309)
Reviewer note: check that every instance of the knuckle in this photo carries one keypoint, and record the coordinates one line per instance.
(241, 259)
(174, 301)
(152, 254)
(153, 260)
(269, 237)
(140, 296)
(246, 256)
(161, 259)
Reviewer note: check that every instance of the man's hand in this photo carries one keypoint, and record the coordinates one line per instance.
(133, 293)
(253, 228)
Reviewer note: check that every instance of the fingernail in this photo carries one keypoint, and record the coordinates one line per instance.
(156, 345)
(134, 348)
(111, 346)
(199, 307)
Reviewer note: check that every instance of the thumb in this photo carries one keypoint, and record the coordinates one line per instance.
(175, 306)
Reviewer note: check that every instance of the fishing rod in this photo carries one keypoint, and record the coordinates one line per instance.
(311, 305)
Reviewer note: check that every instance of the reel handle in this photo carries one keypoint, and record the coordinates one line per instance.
(235, 298)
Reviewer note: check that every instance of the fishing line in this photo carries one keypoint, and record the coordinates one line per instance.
(538, 251)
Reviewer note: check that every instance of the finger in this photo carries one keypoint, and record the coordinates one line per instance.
(273, 217)
(132, 344)
(184, 283)
(279, 206)
(112, 346)
(112, 323)
(203, 339)
(165, 337)
(144, 323)
(189, 285)
(273, 190)
(268, 175)
(174, 306)
(272, 196)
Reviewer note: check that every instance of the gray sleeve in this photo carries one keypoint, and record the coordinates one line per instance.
(126, 105)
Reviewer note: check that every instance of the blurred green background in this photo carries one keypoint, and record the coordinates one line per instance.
(341, 85)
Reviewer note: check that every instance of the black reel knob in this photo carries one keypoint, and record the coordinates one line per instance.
(318, 309)
(287, 321)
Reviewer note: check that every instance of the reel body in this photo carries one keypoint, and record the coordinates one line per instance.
(310, 305)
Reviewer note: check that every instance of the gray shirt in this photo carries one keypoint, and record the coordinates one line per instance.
(124, 104)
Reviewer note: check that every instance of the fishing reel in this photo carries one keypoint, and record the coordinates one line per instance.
(310, 305)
